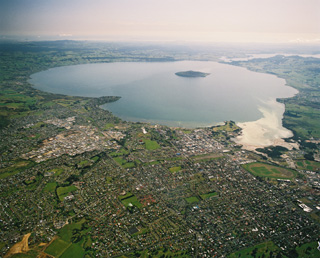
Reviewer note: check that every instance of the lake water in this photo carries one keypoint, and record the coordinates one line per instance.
(151, 92)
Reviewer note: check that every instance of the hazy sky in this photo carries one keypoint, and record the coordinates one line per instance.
(194, 20)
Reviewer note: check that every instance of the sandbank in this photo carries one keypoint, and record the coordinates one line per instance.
(266, 131)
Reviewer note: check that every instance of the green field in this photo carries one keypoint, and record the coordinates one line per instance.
(57, 171)
(267, 249)
(127, 195)
(108, 126)
(192, 199)
(121, 152)
(57, 247)
(128, 199)
(151, 145)
(83, 163)
(208, 195)
(131, 201)
(304, 120)
(64, 191)
(64, 246)
(109, 180)
(95, 158)
(74, 251)
(66, 232)
(50, 187)
(175, 169)
(270, 171)
(121, 161)
(228, 126)
(18, 167)
(308, 165)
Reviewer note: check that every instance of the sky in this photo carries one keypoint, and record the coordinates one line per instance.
(167, 20)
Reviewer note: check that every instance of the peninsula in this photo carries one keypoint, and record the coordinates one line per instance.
(192, 74)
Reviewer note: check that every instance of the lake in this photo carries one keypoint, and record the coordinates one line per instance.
(151, 92)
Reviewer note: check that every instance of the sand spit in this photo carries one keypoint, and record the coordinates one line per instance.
(266, 131)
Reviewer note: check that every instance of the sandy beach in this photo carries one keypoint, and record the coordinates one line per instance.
(266, 131)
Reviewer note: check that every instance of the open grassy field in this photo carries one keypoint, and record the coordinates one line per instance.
(192, 199)
(175, 169)
(83, 163)
(74, 251)
(16, 168)
(57, 247)
(304, 120)
(66, 232)
(266, 170)
(64, 191)
(108, 126)
(208, 195)
(258, 251)
(120, 152)
(58, 171)
(50, 187)
(121, 161)
(151, 145)
(308, 165)
(228, 126)
(130, 199)
(63, 246)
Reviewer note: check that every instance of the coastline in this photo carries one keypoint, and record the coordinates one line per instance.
(267, 130)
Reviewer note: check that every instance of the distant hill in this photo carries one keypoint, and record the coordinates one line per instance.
(192, 74)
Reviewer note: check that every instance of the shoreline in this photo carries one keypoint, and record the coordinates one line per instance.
(266, 131)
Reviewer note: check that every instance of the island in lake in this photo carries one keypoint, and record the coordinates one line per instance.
(192, 74)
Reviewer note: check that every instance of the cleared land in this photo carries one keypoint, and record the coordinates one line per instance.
(266, 170)
(20, 247)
